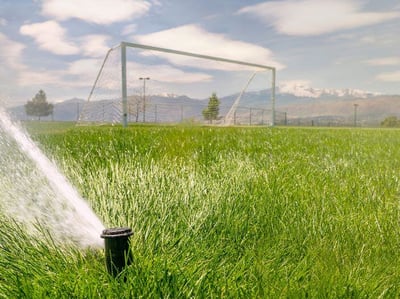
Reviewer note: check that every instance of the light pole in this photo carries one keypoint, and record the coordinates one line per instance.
(144, 96)
(355, 114)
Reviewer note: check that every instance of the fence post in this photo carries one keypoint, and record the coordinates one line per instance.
(250, 111)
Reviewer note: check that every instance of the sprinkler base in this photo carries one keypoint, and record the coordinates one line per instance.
(117, 249)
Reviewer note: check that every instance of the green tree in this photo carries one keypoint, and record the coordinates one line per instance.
(212, 111)
(390, 122)
(39, 106)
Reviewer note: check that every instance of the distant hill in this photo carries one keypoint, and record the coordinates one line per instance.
(301, 105)
(370, 111)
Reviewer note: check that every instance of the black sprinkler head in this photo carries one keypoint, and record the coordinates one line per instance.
(117, 249)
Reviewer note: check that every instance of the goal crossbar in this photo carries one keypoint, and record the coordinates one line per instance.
(165, 50)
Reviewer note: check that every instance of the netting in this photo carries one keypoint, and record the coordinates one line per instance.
(144, 84)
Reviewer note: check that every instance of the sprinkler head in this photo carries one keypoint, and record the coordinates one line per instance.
(117, 249)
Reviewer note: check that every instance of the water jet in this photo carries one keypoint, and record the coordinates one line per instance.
(35, 191)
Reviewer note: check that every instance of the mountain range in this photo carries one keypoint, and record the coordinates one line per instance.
(300, 104)
(339, 106)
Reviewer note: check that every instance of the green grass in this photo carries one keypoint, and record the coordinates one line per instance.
(223, 212)
(46, 127)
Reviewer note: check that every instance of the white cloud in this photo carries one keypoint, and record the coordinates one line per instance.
(15, 74)
(129, 29)
(11, 66)
(84, 68)
(10, 53)
(95, 11)
(39, 78)
(50, 36)
(156, 2)
(369, 39)
(94, 45)
(194, 39)
(79, 73)
(389, 77)
(166, 73)
(393, 60)
(314, 17)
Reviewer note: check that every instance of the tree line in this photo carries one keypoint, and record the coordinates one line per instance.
(40, 107)
(391, 122)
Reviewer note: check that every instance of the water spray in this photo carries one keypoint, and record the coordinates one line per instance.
(34, 191)
(117, 249)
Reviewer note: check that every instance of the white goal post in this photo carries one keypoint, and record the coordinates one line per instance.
(123, 59)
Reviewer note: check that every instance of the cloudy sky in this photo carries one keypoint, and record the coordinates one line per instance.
(58, 45)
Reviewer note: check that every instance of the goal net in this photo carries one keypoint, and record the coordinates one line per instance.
(145, 84)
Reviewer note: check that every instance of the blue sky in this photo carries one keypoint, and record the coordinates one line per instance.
(58, 45)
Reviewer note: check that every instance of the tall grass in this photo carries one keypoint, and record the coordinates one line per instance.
(224, 212)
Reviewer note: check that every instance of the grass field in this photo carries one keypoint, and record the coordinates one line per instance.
(222, 212)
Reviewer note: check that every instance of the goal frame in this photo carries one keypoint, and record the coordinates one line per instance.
(124, 94)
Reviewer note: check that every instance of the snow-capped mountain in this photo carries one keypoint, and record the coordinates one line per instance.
(305, 91)
(166, 95)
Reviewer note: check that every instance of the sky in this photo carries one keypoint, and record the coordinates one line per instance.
(59, 45)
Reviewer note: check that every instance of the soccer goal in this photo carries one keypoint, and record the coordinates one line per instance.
(147, 84)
